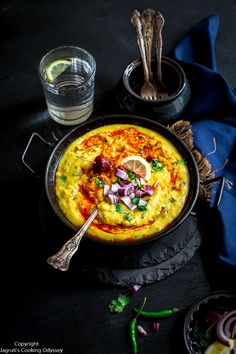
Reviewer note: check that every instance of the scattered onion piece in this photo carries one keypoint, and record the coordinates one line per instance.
(142, 330)
(155, 326)
(134, 289)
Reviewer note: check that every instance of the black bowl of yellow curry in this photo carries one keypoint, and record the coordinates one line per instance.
(140, 176)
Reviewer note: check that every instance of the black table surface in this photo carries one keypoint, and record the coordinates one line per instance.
(64, 310)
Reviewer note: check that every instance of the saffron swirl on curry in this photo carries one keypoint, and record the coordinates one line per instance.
(134, 176)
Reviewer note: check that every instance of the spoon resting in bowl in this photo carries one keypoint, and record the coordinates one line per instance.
(61, 260)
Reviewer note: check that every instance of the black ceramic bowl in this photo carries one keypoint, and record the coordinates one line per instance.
(196, 318)
(89, 125)
(163, 111)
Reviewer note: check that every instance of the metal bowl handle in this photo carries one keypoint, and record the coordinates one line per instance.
(219, 193)
(23, 157)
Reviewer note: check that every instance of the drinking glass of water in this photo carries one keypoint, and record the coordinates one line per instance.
(67, 76)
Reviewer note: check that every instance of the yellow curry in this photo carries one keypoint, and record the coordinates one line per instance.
(134, 176)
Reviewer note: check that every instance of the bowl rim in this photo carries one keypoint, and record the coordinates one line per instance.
(195, 307)
(136, 62)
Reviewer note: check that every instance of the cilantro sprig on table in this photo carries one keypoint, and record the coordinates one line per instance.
(118, 305)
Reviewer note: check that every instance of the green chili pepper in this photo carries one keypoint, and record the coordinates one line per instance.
(132, 327)
(158, 314)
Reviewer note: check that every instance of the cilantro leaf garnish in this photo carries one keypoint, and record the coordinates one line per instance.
(118, 208)
(142, 207)
(118, 305)
(63, 178)
(135, 200)
(131, 175)
(181, 162)
(128, 217)
(100, 182)
(157, 166)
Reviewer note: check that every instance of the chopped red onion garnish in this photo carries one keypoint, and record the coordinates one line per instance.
(148, 189)
(122, 191)
(141, 330)
(124, 183)
(113, 198)
(142, 202)
(106, 190)
(129, 192)
(155, 326)
(115, 187)
(140, 193)
(121, 173)
(128, 202)
(132, 195)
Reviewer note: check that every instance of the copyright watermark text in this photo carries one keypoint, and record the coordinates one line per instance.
(30, 347)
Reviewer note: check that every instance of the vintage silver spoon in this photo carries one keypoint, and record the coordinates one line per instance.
(147, 90)
(158, 24)
(61, 260)
(147, 17)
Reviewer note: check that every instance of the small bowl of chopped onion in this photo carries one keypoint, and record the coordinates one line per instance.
(210, 324)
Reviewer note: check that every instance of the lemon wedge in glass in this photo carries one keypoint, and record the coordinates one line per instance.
(138, 165)
(55, 69)
(219, 348)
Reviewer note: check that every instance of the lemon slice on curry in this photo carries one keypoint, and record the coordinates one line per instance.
(218, 348)
(56, 68)
(138, 165)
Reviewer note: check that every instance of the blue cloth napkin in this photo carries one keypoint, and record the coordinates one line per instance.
(212, 113)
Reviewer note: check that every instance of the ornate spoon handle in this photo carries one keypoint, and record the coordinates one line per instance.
(137, 23)
(61, 260)
(147, 21)
(159, 23)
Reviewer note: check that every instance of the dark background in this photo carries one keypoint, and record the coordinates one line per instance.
(66, 310)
